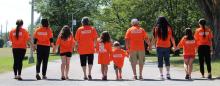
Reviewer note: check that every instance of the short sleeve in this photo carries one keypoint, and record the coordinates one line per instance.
(27, 37)
(50, 33)
(95, 35)
(145, 34)
(73, 41)
(77, 34)
(196, 35)
(35, 34)
(58, 41)
(180, 45)
(127, 35)
(10, 36)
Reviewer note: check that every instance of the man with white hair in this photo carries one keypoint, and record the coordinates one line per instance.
(135, 37)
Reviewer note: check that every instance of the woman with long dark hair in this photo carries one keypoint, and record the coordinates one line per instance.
(189, 45)
(43, 39)
(86, 37)
(203, 36)
(19, 38)
(66, 42)
(163, 37)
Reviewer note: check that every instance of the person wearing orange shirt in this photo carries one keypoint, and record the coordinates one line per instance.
(118, 55)
(104, 49)
(43, 38)
(189, 45)
(19, 38)
(86, 37)
(66, 42)
(163, 37)
(134, 38)
(203, 36)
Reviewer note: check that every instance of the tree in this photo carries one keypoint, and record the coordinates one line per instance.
(211, 11)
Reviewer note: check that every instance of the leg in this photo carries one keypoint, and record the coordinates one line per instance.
(45, 61)
(39, 59)
(208, 60)
(133, 60)
(190, 65)
(201, 59)
(141, 55)
(63, 65)
(21, 57)
(186, 65)
(90, 62)
(83, 61)
(116, 71)
(67, 66)
(120, 73)
(160, 60)
(167, 59)
(15, 65)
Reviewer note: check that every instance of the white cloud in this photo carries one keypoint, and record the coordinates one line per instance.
(11, 10)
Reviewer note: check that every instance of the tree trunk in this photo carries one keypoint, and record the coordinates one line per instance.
(211, 10)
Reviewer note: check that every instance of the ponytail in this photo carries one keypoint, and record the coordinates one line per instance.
(202, 22)
(19, 23)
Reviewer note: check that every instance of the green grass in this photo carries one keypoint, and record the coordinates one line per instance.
(177, 61)
(6, 60)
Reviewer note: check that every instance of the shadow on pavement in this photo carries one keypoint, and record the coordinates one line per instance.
(75, 80)
(54, 80)
(110, 80)
(182, 80)
(204, 79)
(29, 80)
(152, 80)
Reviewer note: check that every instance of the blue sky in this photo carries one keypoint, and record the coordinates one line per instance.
(11, 10)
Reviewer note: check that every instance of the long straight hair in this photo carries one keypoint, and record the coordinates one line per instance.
(202, 22)
(162, 28)
(19, 23)
(189, 34)
(65, 33)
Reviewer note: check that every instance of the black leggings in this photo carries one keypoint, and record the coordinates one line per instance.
(84, 58)
(18, 55)
(42, 55)
(204, 56)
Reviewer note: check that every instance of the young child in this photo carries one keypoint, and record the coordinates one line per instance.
(66, 42)
(189, 46)
(118, 56)
(104, 49)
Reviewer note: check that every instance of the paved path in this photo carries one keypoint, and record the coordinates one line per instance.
(151, 77)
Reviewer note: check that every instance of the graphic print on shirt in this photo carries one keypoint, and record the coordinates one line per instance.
(117, 55)
(20, 34)
(102, 48)
(86, 32)
(137, 31)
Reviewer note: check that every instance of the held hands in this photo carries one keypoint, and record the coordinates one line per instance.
(34, 47)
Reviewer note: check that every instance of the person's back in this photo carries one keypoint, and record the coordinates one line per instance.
(22, 39)
(136, 36)
(43, 36)
(118, 56)
(85, 36)
(203, 40)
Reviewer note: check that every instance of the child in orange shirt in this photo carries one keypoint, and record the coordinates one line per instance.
(104, 49)
(66, 42)
(188, 43)
(118, 56)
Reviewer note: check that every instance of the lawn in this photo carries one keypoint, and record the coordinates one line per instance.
(177, 61)
(6, 60)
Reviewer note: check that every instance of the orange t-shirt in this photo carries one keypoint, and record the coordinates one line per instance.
(66, 45)
(104, 52)
(85, 37)
(136, 36)
(207, 40)
(189, 46)
(22, 38)
(43, 35)
(118, 56)
(164, 43)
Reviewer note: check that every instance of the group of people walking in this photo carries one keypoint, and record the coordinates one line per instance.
(87, 42)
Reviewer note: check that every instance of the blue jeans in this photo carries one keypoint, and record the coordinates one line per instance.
(163, 54)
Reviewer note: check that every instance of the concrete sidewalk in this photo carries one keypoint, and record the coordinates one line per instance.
(150, 75)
